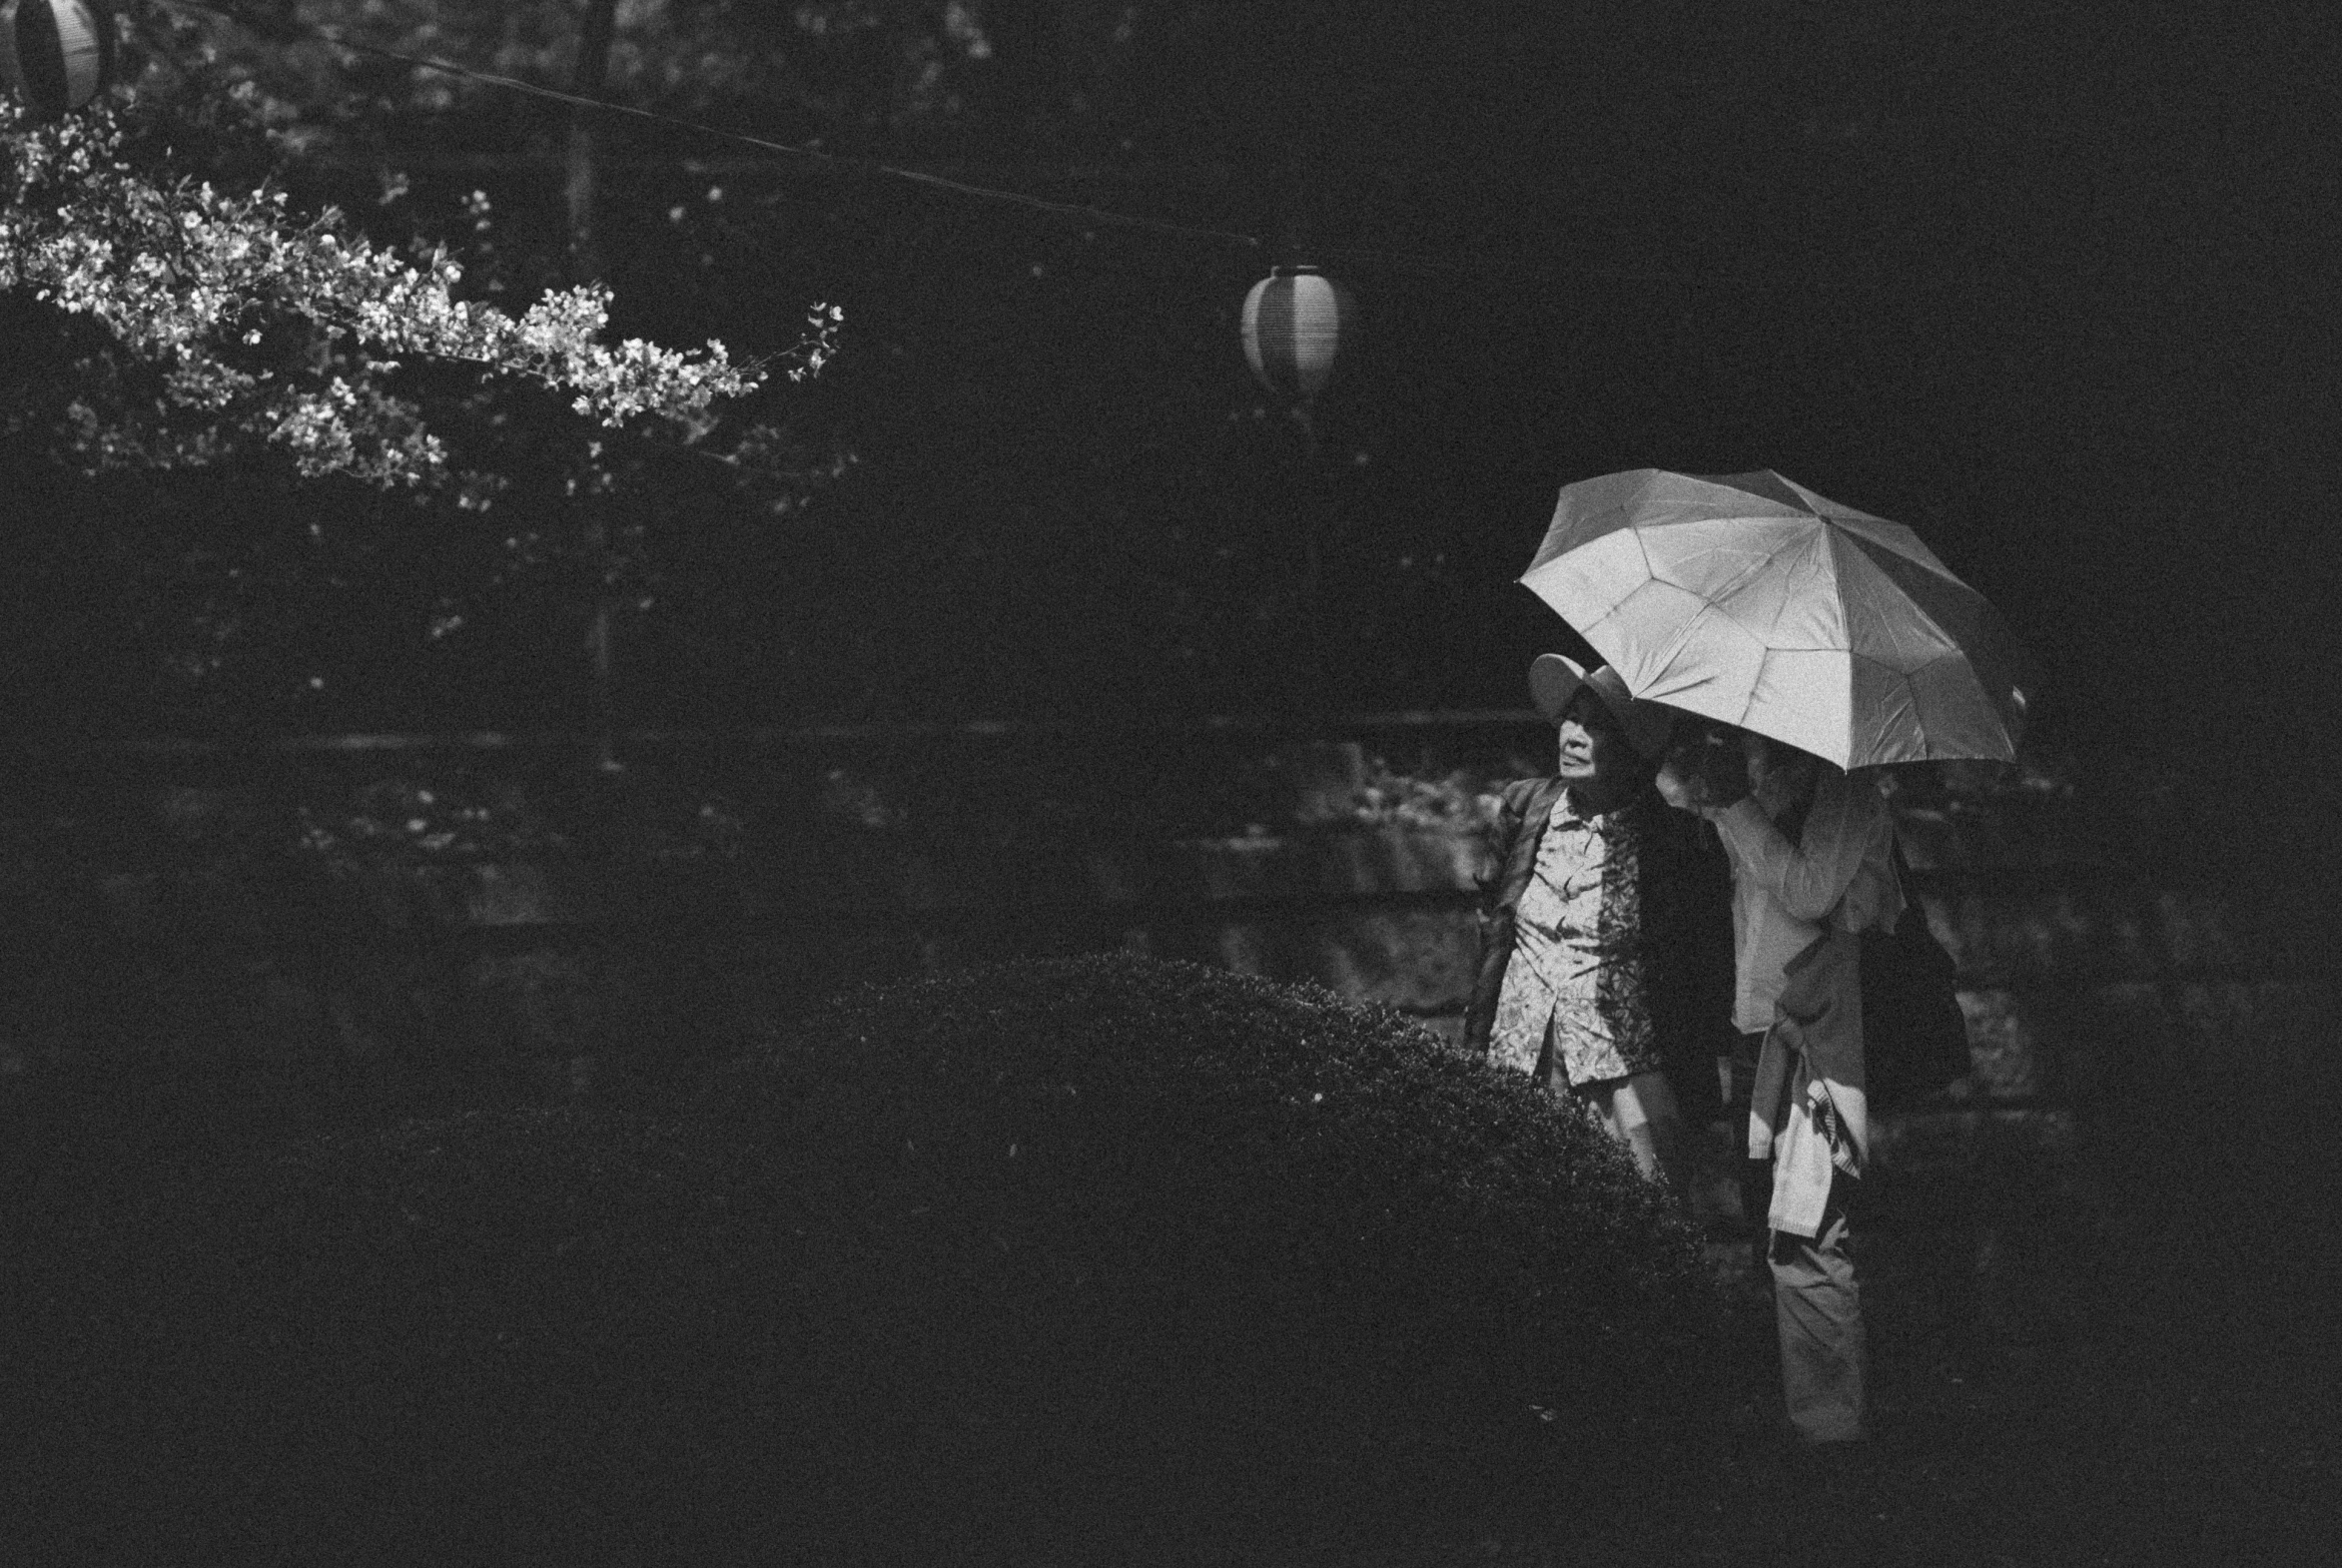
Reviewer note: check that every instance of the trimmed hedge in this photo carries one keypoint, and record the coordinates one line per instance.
(1072, 1251)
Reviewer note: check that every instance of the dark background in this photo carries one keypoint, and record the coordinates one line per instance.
(2053, 285)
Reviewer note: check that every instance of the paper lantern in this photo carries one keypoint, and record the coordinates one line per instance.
(56, 54)
(1295, 322)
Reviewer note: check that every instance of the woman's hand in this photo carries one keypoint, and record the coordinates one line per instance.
(1677, 786)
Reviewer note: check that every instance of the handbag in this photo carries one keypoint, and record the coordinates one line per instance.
(1915, 1036)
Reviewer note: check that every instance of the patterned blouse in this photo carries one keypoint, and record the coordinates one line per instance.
(1579, 961)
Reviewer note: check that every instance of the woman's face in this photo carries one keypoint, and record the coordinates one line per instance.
(1593, 748)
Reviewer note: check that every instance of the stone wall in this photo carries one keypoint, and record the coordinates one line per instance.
(410, 926)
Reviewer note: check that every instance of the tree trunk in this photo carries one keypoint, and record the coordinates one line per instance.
(593, 74)
(1028, 40)
(585, 266)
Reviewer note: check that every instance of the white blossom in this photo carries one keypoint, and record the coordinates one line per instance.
(189, 281)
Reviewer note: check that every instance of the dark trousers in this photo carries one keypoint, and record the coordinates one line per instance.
(1737, 1077)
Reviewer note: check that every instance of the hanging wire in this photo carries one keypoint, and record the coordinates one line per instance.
(1087, 213)
(809, 153)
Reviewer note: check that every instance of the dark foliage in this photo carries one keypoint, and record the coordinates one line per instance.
(1255, 1249)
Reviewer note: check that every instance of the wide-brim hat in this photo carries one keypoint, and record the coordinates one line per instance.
(1554, 680)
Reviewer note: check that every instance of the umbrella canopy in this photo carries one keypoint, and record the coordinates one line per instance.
(1750, 599)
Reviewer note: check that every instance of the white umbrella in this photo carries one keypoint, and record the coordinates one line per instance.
(1750, 599)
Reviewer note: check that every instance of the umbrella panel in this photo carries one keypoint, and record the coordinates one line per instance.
(1650, 498)
(1891, 535)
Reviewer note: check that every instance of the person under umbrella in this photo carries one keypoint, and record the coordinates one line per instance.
(1603, 932)
(1811, 852)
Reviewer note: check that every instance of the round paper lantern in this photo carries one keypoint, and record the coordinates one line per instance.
(57, 54)
(1294, 322)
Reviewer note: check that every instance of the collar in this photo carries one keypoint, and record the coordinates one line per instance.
(1565, 807)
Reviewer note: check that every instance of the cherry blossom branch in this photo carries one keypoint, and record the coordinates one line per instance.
(193, 281)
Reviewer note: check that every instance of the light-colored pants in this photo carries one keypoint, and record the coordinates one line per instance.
(1641, 1114)
(1817, 1295)
(1818, 1307)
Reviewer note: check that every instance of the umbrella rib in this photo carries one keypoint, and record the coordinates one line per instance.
(1712, 600)
(1935, 626)
(2007, 736)
(1650, 575)
(1910, 692)
(1909, 678)
(1949, 580)
(1683, 635)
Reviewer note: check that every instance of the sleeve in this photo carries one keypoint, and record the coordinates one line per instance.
(1497, 843)
(1495, 933)
(1809, 877)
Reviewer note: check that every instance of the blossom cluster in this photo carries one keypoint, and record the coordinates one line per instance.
(287, 328)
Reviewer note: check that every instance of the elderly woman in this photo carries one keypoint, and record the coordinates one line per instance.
(1602, 928)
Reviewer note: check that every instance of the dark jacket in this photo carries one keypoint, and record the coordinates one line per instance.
(1687, 931)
